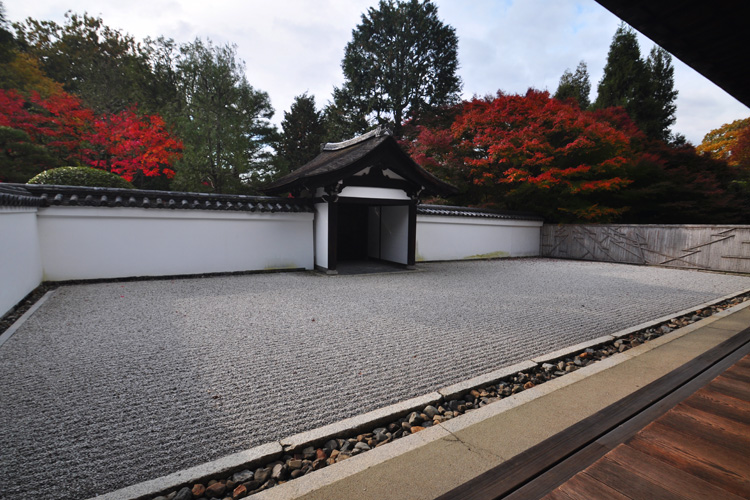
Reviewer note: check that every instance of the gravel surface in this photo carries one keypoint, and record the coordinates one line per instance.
(110, 384)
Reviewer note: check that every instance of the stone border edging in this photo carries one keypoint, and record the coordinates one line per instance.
(311, 482)
(355, 424)
(455, 390)
(274, 450)
(223, 465)
(7, 334)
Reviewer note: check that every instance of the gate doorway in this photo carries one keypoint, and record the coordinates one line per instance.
(352, 241)
(366, 231)
(365, 192)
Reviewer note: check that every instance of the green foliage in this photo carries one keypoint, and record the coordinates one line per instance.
(575, 86)
(223, 121)
(161, 91)
(663, 94)
(302, 133)
(80, 176)
(675, 185)
(401, 62)
(7, 40)
(343, 116)
(20, 158)
(625, 78)
(644, 88)
(105, 67)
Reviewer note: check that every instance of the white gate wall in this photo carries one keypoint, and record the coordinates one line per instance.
(394, 233)
(96, 243)
(321, 235)
(20, 258)
(60, 243)
(461, 238)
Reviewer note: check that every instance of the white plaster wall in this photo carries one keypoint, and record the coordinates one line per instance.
(371, 192)
(394, 234)
(91, 243)
(20, 257)
(459, 238)
(321, 235)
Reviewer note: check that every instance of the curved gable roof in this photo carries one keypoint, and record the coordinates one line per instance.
(337, 161)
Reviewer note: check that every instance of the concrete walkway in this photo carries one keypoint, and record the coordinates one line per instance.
(108, 385)
(438, 459)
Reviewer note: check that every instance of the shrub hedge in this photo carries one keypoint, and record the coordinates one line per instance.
(80, 176)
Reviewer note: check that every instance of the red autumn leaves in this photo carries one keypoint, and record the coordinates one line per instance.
(519, 151)
(124, 143)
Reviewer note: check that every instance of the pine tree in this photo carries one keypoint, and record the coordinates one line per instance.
(661, 74)
(575, 85)
(625, 74)
(7, 40)
(344, 117)
(302, 132)
(644, 88)
(224, 121)
(401, 61)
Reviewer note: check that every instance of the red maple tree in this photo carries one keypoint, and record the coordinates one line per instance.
(132, 146)
(532, 152)
(128, 144)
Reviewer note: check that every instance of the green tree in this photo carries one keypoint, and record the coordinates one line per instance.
(20, 158)
(401, 62)
(625, 79)
(7, 40)
(108, 69)
(343, 116)
(644, 88)
(161, 90)
(575, 86)
(302, 132)
(663, 94)
(223, 121)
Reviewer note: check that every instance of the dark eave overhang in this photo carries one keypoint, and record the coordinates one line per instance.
(376, 151)
(710, 37)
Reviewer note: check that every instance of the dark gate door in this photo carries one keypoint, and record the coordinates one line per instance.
(352, 232)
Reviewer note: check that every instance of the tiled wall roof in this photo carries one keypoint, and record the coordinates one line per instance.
(35, 195)
(13, 196)
(474, 212)
(46, 195)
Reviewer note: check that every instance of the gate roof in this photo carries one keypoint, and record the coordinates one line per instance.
(341, 160)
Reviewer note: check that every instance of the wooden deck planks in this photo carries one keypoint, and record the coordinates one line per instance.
(689, 461)
(671, 478)
(690, 442)
(713, 423)
(585, 487)
(628, 482)
(731, 408)
(729, 387)
(698, 449)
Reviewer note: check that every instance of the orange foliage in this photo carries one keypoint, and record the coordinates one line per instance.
(533, 152)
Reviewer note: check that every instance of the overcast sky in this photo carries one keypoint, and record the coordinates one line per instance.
(293, 46)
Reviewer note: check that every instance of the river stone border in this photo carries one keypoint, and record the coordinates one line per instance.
(246, 473)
